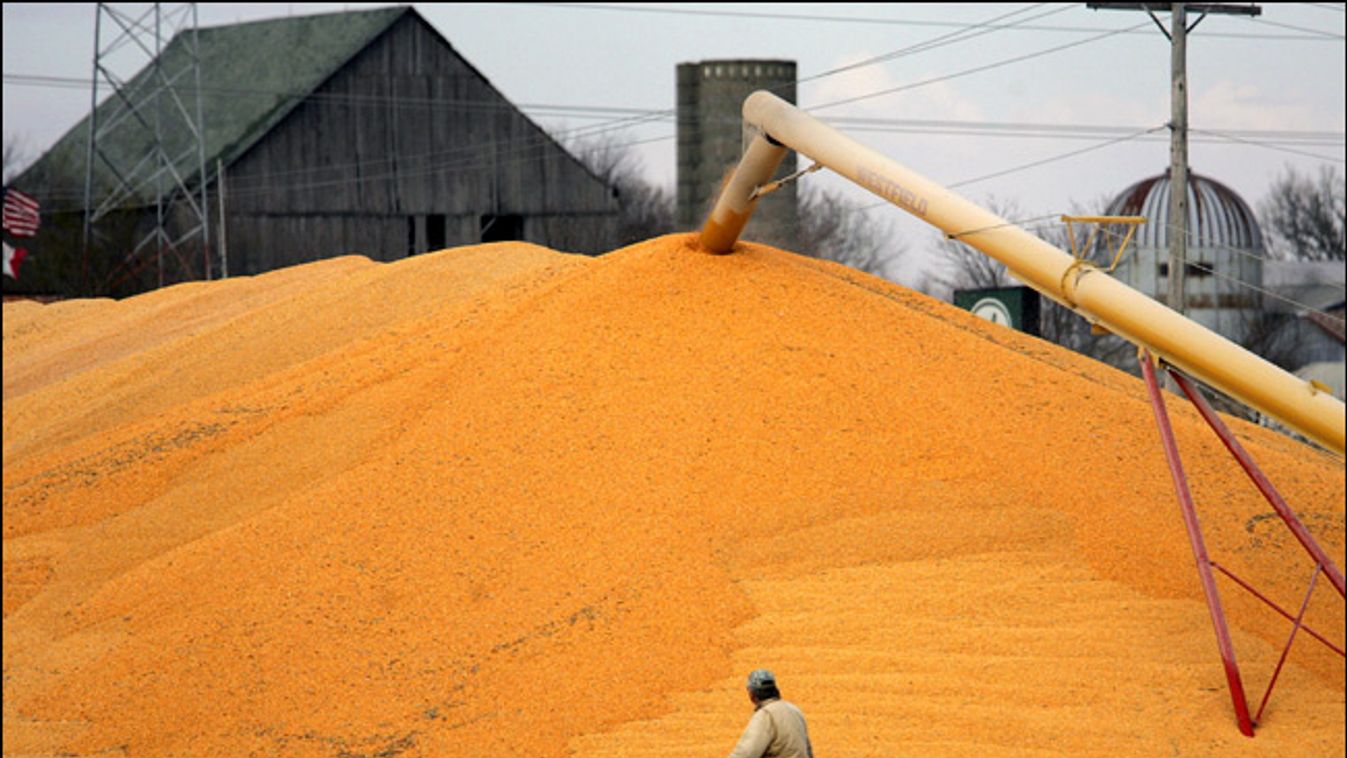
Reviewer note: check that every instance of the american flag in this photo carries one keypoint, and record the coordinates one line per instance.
(21, 216)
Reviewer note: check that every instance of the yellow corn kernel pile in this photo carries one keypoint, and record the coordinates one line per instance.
(499, 500)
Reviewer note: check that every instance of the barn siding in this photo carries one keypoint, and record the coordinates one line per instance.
(348, 168)
(333, 176)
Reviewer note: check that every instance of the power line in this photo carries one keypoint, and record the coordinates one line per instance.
(920, 47)
(518, 148)
(1034, 164)
(446, 160)
(637, 120)
(1319, 32)
(869, 123)
(633, 119)
(575, 110)
(450, 158)
(1016, 222)
(1055, 158)
(1053, 135)
(1269, 146)
(924, 46)
(1138, 135)
(1101, 129)
(940, 41)
(656, 115)
(472, 165)
(481, 158)
(634, 114)
(1172, 227)
(639, 116)
(36, 79)
(978, 69)
(1210, 269)
(1206, 265)
(348, 98)
(761, 15)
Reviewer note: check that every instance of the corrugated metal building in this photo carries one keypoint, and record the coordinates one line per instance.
(361, 132)
(1223, 271)
(1304, 300)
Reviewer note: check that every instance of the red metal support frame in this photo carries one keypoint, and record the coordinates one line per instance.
(1285, 614)
(1300, 617)
(1223, 642)
(1264, 486)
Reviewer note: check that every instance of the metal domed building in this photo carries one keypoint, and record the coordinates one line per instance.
(1225, 251)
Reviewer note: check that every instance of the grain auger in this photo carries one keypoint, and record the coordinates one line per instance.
(1163, 337)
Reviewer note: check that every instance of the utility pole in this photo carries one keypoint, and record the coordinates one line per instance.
(1178, 156)
(1178, 122)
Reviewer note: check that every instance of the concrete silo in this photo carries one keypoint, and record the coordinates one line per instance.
(710, 140)
(1224, 257)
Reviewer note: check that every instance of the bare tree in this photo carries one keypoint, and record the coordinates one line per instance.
(644, 210)
(1276, 337)
(1304, 217)
(831, 226)
(835, 228)
(966, 267)
(969, 268)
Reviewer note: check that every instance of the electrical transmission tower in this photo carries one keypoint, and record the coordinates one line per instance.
(147, 144)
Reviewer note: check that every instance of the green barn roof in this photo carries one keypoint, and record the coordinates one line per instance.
(252, 75)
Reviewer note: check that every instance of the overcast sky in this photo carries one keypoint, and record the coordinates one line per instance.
(1249, 78)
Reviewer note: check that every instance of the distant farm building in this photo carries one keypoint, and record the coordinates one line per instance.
(1289, 312)
(361, 132)
(710, 141)
(1224, 267)
(1305, 312)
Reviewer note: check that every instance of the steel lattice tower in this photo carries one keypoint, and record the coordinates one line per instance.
(148, 141)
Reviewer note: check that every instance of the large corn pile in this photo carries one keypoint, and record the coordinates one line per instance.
(499, 500)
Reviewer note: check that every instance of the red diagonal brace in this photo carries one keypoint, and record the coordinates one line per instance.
(1260, 481)
(1300, 617)
(1285, 614)
(1223, 642)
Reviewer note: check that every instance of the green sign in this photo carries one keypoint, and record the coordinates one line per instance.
(1015, 307)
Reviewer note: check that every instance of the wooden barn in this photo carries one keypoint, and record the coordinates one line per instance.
(358, 132)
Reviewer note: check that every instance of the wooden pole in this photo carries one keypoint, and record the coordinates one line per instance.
(1178, 158)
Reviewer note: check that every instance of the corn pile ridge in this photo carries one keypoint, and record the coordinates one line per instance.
(499, 500)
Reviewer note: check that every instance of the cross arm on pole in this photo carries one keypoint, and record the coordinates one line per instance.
(1221, 9)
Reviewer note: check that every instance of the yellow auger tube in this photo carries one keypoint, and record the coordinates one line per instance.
(1098, 297)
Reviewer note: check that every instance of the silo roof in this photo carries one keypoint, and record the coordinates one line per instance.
(1217, 216)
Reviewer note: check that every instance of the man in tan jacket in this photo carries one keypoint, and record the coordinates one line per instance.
(777, 729)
